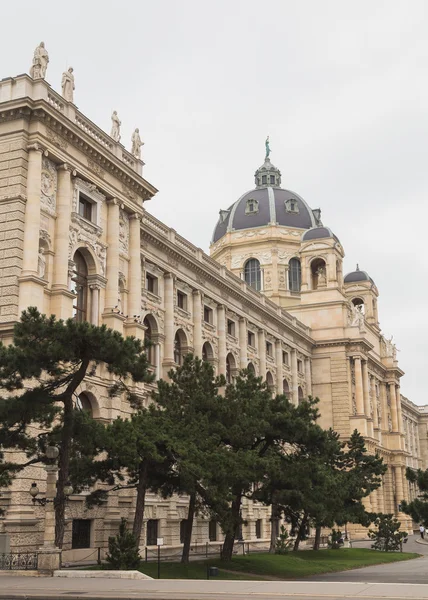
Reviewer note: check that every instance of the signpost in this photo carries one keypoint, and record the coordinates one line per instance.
(159, 542)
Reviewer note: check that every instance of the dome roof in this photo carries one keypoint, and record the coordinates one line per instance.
(267, 204)
(317, 233)
(357, 275)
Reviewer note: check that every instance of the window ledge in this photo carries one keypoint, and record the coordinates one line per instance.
(183, 312)
(232, 338)
(151, 295)
(86, 224)
(208, 325)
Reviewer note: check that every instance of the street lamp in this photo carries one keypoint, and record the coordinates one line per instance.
(52, 454)
(34, 492)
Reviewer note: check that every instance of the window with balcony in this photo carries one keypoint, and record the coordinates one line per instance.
(86, 207)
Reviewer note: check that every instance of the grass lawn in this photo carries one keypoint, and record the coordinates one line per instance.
(294, 565)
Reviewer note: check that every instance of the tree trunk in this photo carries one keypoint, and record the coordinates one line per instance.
(317, 541)
(141, 501)
(300, 533)
(63, 471)
(274, 529)
(229, 540)
(188, 529)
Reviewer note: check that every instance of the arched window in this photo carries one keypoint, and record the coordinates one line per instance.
(148, 335)
(270, 382)
(319, 274)
(79, 285)
(230, 368)
(251, 368)
(180, 343)
(300, 394)
(285, 388)
(83, 403)
(207, 352)
(359, 305)
(294, 275)
(253, 274)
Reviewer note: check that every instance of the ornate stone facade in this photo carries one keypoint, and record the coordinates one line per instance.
(72, 205)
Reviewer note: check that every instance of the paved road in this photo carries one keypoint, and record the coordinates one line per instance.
(20, 588)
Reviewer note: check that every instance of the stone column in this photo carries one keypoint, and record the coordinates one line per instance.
(30, 257)
(62, 228)
(359, 397)
(384, 407)
(406, 485)
(243, 343)
(197, 323)
(95, 303)
(399, 412)
(157, 358)
(294, 378)
(279, 374)
(49, 556)
(112, 289)
(169, 320)
(221, 329)
(399, 487)
(366, 394)
(134, 297)
(374, 402)
(394, 415)
(380, 499)
(308, 374)
(374, 502)
(262, 353)
(31, 287)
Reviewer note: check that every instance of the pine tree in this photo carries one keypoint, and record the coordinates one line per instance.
(387, 537)
(417, 508)
(41, 373)
(123, 550)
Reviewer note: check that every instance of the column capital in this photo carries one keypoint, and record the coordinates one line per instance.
(35, 147)
(170, 276)
(65, 167)
(113, 202)
(135, 217)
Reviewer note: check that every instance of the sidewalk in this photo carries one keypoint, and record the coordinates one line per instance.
(52, 588)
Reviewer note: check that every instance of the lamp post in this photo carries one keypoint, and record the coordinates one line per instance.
(49, 558)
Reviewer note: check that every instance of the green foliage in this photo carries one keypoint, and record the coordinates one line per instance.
(335, 539)
(417, 508)
(387, 537)
(283, 543)
(123, 550)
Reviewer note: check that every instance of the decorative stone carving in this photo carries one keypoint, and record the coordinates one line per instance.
(67, 85)
(123, 231)
(136, 144)
(247, 234)
(262, 257)
(56, 139)
(115, 126)
(44, 235)
(354, 404)
(40, 62)
(389, 423)
(41, 267)
(355, 316)
(48, 186)
(268, 280)
(95, 168)
(388, 348)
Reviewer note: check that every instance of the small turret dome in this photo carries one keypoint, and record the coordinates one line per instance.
(357, 275)
(317, 233)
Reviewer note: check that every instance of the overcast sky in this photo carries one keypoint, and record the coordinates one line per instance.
(340, 86)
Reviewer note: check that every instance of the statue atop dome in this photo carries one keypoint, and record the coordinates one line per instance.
(267, 148)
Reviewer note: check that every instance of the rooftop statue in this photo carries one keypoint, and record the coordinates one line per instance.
(267, 147)
(40, 62)
(67, 85)
(115, 126)
(136, 144)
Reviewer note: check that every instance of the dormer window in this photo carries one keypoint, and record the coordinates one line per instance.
(252, 206)
(291, 206)
(264, 179)
(223, 215)
(272, 179)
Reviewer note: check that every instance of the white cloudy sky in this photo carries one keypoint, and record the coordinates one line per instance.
(340, 86)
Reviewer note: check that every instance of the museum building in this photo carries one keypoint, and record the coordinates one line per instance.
(77, 240)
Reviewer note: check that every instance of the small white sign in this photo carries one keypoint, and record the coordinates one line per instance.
(159, 542)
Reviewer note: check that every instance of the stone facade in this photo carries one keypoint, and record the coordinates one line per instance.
(76, 240)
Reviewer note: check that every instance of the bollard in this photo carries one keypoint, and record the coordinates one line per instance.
(212, 572)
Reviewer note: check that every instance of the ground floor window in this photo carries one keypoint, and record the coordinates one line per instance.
(212, 531)
(81, 534)
(152, 532)
(258, 529)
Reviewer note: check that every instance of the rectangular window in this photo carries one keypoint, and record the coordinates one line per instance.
(183, 525)
(264, 179)
(269, 349)
(81, 534)
(285, 359)
(300, 366)
(231, 327)
(151, 284)
(258, 529)
(212, 531)
(272, 179)
(251, 339)
(85, 207)
(152, 532)
(182, 300)
(208, 315)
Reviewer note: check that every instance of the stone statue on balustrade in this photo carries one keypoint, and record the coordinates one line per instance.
(67, 85)
(115, 126)
(40, 62)
(136, 144)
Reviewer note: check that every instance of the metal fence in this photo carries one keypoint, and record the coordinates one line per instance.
(199, 551)
(21, 561)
